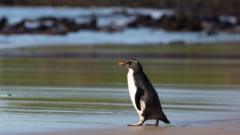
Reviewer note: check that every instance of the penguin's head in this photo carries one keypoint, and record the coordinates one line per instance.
(135, 65)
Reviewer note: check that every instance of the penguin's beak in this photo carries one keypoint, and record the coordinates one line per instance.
(122, 63)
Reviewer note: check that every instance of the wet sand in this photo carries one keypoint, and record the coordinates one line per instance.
(228, 127)
(206, 111)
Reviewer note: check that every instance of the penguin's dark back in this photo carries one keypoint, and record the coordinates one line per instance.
(142, 81)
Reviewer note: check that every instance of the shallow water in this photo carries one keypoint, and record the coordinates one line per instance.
(38, 109)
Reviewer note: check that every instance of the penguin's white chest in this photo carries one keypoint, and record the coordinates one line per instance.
(132, 87)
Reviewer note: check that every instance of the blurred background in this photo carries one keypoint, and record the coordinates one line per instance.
(58, 60)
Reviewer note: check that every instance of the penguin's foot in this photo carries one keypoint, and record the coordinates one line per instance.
(140, 123)
(151, 125)
(137, 124)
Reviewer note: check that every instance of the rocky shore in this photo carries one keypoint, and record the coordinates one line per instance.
(175, 21)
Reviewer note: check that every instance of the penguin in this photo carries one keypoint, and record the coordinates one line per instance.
(142, 94)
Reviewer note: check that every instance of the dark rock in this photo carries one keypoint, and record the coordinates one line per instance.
(143, 21)
(50, 25)
(168, 22)
(180, 23)
(3, 22)
(91, 25)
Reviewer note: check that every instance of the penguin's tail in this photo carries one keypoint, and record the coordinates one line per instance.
(166, 121)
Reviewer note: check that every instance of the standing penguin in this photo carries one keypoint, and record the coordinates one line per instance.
(142, 93)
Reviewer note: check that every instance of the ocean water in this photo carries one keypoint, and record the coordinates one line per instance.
(39, 109)
(105, 17)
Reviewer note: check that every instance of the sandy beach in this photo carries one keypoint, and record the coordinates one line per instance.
(228, 127)
(216, 112)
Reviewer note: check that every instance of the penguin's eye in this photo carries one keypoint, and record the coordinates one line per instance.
(130, 62)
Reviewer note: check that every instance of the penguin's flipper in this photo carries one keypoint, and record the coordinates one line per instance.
(138, 97)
